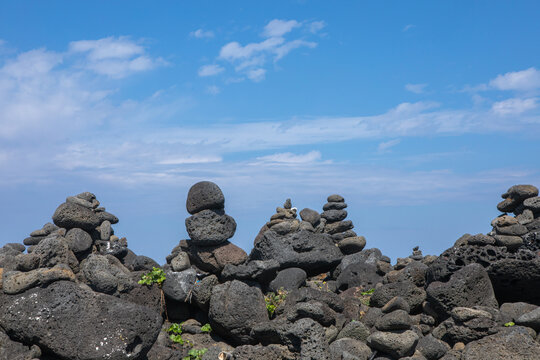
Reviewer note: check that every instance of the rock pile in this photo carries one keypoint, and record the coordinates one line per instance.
(308, 290)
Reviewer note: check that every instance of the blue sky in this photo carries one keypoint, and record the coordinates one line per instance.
(419, 113)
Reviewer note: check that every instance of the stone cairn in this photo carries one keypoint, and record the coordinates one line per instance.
(307, 290)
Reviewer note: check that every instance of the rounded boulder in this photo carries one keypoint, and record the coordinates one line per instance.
(204, 195)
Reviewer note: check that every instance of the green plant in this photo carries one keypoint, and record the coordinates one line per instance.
(510, 323)
(195, 354)
(365, 296)
(206, 328)
(273, 300)
(175, 334)
(156, 276)
(367, 292)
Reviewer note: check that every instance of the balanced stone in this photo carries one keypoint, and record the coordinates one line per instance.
(204, 195)
(310, 216)
(209, 227)
(335, 198)
(69, 215)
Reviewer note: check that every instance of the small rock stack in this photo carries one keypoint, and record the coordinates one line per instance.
(209, 229)
(524, 227)
(334, 223)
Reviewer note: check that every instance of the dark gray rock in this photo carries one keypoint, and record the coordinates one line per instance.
(234, 308)
(202, 292)
(144, 263)
(288, 279)
(334, 215)
(346, 234)
(533, 204)
(106, 274)
(530, 319)
(354, 330)
(338, 227)
(213, 258)
(509, 344)
(259, 352)
(53, 251)
(69, 215)
(352, 245)
(514, 230)
(178, 285)
(180, 262)
(16, 246)
(106, 216)
(432, 348)
(311, 216)
(105, 230)
(396, 320)
(510, 242)
(259, 270)
(468, 287)
(511, 311)
(350, 349)
(204, 195)
(209, 227)
(79, 241)
(316, 310)
(414, 272)
(72, 322)
(396, 303)
(306, 294)
(12, 350)
(363, 275)
(334, 206)
(395, 344)
(335, 198)
(368, 256)
(481, 239)
(414, 296)
(312, 252)
(15, 282)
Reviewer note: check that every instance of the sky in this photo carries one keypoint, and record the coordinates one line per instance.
(420, 113)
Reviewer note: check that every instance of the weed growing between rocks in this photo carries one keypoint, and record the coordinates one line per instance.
(156, 276)
(195, 354)
(175, 334)
(206, 328)
(273, 300)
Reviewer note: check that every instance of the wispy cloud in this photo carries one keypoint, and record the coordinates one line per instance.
(386, 145)
(524, 80)
(210, 70)
(202, 34)
(291, 158)
(278, 28)
(514, 106)
(316, 26)
(415, 88)
(408, 27)
(213, 90)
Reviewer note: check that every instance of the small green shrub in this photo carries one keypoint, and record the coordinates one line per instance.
(206, 328)
(367, 292)
(175, 334)
(273, 300)
(510, 323)
(156, 276)
(365, 296)
(195, 354)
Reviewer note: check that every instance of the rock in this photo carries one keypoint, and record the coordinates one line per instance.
(396, 303)
(208, 228)
(178, 285)
(12, 350)
(259, 352)
(414, 272)
(105, 230)
(259, 270)
(352, 349)
(511, 242)
(413, 295)
(361, 275)
(79, 241)
(432, 348)
(312, 252)
(468, 287)
(481, 239)
(504, 220)
(511, 311)
(143, 263)
(202, 291)
(214, 258)
(514, 230)
(338, 227)
(53, 251)
(285, 227)
(204, 195)
(305, 294)
(105, 216)
(346, 234)
(352, 245)
(530, 319)
(335, 198)
(288, 279)
(106, 274)
(464, 314)
(526, 217)
(315, 310)
(180, 262)
(79, 201)
(310, 216)
(69, 215)
(512, 343)
(15, 282)
(395, 344)
(334, 206)
(520, 192)
(396, 320)
(234, 308)
(334, 215)
(80, 325)
(354, 330)
(533, 204)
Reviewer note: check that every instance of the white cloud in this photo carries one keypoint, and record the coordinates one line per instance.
(415, 88)
(213, 90)
(290, 158)
(116, 57)
(316, 26)
(386, 145)
(408, 27)
(201, 34)
(514, 106)
(196, 159)
(31, 63)
(524, 80)
(234, 51)
(278, 28)
(210, 70)
(291, 45)
(256, 74)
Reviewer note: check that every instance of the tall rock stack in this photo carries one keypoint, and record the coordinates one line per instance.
(334, 223)
(209, 229)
